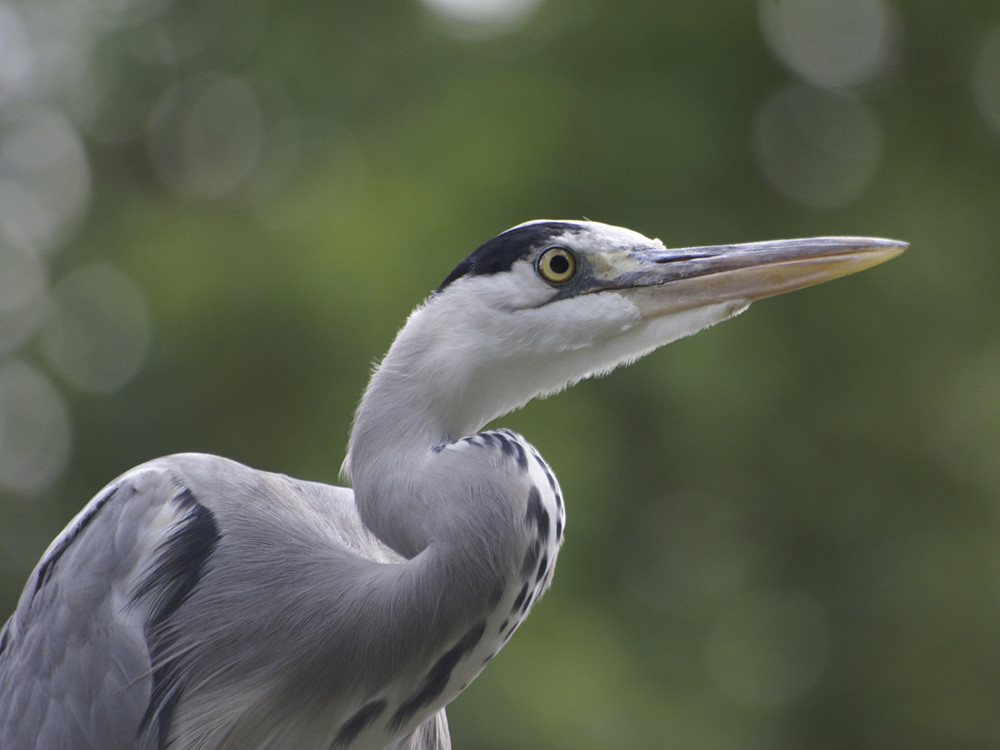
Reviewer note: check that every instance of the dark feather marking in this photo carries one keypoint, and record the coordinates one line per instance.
(559, 529)
(46, 568)
(358, 723)
(185, 498)
(165, 713)
(501, 252)
(543, 526)
(4, 636)
(519, 455)
(437, 678)
(504, 440)
(546, 470)
(180, 563)
(517, 450)
(530, 558)
(527, 603)
(497, 594)
(508, 446)
(522, 458)
(512, 448)
(543, 567)
(520, 598)
(180, 560)
(535, 508)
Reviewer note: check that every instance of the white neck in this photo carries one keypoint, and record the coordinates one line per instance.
(463, 360)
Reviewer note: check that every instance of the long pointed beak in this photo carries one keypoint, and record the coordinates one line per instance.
(665, 281)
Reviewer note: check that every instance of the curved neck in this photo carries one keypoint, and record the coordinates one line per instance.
(424, 394)
(459, 512)
(408, 489)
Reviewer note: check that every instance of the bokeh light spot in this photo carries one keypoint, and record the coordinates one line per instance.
(205, 136)
(769, 648)
(45, 175)
(18, 57)
(817, 147)
(482, 18)
(986, 79)
(22, 295)
(98, 333)
(830, 43)
(34, 430)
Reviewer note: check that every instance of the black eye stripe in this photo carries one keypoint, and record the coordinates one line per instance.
(500, 253)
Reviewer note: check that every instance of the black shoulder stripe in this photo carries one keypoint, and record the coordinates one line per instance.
(500, 253)
(185, 498)
(181, 562)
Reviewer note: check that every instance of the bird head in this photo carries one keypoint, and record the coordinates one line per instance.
(548, 303)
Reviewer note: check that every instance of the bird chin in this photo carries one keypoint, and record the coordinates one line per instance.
(689, 299)
(668, 326)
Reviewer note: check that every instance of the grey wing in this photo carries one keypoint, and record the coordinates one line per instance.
(74, 665)
(431, 735)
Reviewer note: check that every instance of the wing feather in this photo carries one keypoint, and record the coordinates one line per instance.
(75, 663)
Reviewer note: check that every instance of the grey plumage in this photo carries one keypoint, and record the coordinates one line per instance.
(258, 623)
(197, 604)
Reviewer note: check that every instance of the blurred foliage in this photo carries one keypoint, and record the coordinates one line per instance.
(783, 532)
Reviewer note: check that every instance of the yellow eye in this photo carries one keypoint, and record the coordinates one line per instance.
(557, 265)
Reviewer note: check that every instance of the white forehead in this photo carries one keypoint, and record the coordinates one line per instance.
(595, 235)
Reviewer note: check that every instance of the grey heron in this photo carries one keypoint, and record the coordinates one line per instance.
(197, 604)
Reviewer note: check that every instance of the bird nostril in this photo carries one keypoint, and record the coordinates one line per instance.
(678, 258)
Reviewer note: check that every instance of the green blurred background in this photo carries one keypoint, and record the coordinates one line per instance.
(783, 533)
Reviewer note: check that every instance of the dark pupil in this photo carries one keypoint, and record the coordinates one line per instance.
(559, 264)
